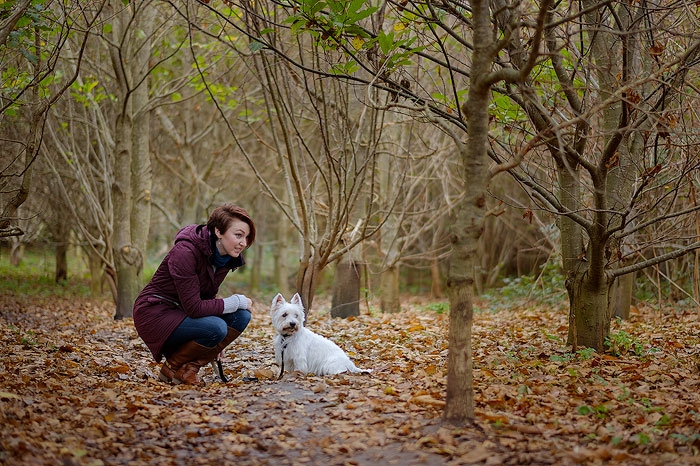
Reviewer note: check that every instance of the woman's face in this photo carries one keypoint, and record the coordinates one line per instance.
(234, 240)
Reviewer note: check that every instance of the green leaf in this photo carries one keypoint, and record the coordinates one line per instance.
(386, 42)
(316, 8)
(584, 410)
(256, 46)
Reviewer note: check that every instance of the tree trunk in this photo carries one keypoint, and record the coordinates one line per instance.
(308, 277)
(258, 250)
(61, 270)
(131, 192)
(622, 302)
(281, 272)
(256, 268)
(346, 290)
(96, 272)
(389, 301)
(436, 280)
(142, 178)
(572, 248)
(468, 226)
(124, 253)
(16, 252)
(590, 312)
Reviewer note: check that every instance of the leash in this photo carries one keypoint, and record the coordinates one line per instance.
(284, 347)
(219, 370)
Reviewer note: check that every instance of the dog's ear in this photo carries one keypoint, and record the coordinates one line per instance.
(278, 300)
(296, 299)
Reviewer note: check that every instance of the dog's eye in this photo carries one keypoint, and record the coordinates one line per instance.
(284, 315)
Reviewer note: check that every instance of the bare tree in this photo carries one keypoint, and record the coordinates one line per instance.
(616, 93)
(31, 38)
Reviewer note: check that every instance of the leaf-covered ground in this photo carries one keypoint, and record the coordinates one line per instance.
(78, 388)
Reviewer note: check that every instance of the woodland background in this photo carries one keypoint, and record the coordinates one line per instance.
(454, 150)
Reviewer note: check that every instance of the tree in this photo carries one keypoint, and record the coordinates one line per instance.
(130, 54)
(31, 38)
(616, 93)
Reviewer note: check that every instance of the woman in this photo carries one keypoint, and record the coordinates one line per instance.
(178, 314)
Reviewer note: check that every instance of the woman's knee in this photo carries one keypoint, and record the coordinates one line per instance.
(212, 331)
(238, 320)
(245, 319)
(219, 329)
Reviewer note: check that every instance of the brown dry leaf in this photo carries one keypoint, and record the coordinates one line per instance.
(477, 454)
(264, 373)
(427, 400)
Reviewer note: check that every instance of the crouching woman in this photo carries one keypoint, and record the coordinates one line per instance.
(177, 314)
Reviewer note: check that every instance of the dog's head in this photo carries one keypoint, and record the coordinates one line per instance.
(287, 317)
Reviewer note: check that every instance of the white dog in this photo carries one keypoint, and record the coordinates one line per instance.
(298, 348)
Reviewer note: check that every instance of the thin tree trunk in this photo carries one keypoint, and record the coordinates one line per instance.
(435, 280)
(308, 277)
(16, 252)
(623, 296)
(281, 272)
(346, 290)
(132, 169)
(389, 283)
(61, 270)
(125, 255)
(96, 272)
(467, 227)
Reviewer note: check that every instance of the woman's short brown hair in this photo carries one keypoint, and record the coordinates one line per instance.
(222, 216)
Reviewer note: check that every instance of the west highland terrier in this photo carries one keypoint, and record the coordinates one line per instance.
(298, 348)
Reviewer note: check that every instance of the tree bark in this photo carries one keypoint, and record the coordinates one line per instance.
(623, 296)
(590, 311)
(468, 226)
(435, 280)
(16, 252)
(389, 283)
(97, 276)
(308, 277)
(132, 170)
(281, 254)
(61, 270)
(346, 290)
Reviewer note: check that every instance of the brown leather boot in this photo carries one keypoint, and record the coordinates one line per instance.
(175, 361)
(188, 372)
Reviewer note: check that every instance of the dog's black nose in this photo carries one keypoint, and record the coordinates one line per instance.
(292, 324)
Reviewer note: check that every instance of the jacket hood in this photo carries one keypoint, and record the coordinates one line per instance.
(198, 235)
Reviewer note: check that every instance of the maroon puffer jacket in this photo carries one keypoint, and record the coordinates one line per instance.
(185, 284)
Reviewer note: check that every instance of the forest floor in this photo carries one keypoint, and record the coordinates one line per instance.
(78, 388)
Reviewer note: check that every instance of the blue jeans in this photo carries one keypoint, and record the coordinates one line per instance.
(207, 331)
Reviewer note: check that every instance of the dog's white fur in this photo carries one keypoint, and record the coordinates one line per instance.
(304, 350)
